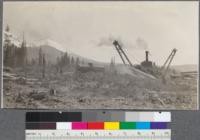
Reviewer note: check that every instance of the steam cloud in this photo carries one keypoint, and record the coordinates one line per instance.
(109, 42)
(139, 44)
(106, 41)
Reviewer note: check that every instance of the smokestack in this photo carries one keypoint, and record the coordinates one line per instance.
(147, 56)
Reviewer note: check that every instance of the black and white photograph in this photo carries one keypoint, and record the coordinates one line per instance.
(100, 55)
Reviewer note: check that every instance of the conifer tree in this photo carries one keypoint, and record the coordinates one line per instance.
(40, 57)
(43, 66)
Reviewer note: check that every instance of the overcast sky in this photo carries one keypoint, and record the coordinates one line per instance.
(81, 26)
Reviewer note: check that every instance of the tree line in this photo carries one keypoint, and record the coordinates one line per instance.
(13, 55)
(17, 56)
(67, 61)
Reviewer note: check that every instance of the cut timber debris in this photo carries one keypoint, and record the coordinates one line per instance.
(38, 95)
(19, 98)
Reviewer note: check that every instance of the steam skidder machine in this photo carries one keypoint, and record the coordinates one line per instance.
(147, 66)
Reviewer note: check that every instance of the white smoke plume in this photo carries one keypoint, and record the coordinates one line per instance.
(139, 44)
(106, 41)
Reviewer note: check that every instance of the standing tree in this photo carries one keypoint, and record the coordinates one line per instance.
(40, 57)
(43, 66)
(25, 67)
(7, 55)
(7, 35)
(23, 52)
(82, 62)
(33, 61)
(7, 48)
(112, 62)
(72, 61)
(57, 64)
(77, 61)
(23, 57)
(67, 59)
(112, 65)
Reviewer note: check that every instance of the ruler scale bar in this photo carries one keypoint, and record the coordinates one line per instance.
(99, 134)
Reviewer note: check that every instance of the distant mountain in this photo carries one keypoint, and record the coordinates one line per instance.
(59, 47)
(51, 53)
(51, 43)
(52, 50)
(185, 68)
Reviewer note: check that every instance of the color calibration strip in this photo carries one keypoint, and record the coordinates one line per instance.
(112, 125)
(108, 116)
(97, 125)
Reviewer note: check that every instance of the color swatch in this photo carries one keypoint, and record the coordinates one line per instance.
(143, 125)
(97, 125)
(79, 125)
(127, 125)
(111, 125)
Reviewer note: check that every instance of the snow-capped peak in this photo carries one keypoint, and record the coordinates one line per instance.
(51, 43)
(14, 40)
(17, 42)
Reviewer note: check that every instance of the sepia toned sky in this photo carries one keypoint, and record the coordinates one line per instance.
(81, 26)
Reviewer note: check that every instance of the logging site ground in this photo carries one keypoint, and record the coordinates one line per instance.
(119, 87)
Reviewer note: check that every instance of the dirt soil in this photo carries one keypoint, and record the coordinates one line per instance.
(96, 90)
